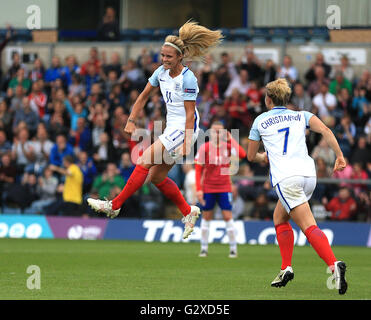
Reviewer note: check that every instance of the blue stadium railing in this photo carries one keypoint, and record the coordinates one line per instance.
(256, 35)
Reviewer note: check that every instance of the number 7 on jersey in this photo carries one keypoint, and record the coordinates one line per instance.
(287, 131)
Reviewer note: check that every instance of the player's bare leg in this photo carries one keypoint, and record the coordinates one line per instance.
(231, 231)
(285, 239)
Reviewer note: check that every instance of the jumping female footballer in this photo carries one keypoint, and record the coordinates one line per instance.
(179, 89)
(293, 175)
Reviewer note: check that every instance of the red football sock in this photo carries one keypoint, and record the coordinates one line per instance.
(170, 189)
(285, 238)
(320, 243)
(134, 182)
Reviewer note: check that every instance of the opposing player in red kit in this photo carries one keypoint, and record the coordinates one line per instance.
(213, 182)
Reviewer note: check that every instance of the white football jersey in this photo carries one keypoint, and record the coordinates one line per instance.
(283, 134)
(175, 91)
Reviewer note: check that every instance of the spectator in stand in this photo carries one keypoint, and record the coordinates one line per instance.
(345, 133)
(88, 169)
(38, 70)
(301, 99)
(8, 174)
(76, 112)
(23, 151)
(344, 105)
(205, 69)
(323, 171)
(104, 152)
(360, 104)
(251, 64)
(20, 79)
(91, 77)
(72, 189)
(288, 70)
(109, 29)
(254, 97)
(38, 98)
(24, 193)
(311, 75)
(260, 210)
(60, 149)
(132, 73)
(342, 207)
(212, 86)
(324, 152)
(93, 60)
(27, 115)
(126, 166)
(339, 83)
(225, 73)
(324, 103)
(42, 147)
(362, 153)
(269, 72)
(116, 97)
(71, 68)
(76, 88)
(15, 98)
(104, 183)
(59, 122)
(54, 72)
(344, 68)
(46, 191)
(81, 138)
(5, 145)
(204, 104)
(345, 174)
(119, 138)
(13, 69)
(3, 44)
(236, 108)
(113, 65)
(241, 83)
(314, 87)
(5, 118)
(360, 174)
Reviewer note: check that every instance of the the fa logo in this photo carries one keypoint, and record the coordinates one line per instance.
(334, 20)
(34, 20)
(34, 280)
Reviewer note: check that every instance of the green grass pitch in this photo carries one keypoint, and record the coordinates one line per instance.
(83, 269)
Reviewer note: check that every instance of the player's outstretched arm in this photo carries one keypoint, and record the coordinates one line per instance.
(252, 152)
(318, 126)
(137, 107)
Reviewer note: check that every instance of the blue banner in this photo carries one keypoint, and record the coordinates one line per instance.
(19, 226)
(251, 232)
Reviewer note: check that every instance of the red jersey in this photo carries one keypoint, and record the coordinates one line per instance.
(341, 210)
(212, 166)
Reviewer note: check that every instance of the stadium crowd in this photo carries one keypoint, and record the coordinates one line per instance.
(71, 115)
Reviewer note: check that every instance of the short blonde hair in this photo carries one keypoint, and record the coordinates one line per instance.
(195, 41)
(279, 91)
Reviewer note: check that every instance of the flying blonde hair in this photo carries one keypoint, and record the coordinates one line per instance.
(279, 91)
(194, 41)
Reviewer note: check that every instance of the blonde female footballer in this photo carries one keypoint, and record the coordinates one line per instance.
(179, 89)
(293, 175)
